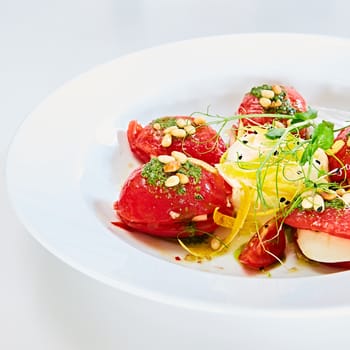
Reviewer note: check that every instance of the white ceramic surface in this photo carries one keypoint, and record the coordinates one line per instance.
(66, 164)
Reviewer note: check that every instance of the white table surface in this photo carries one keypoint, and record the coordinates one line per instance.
(45, 304)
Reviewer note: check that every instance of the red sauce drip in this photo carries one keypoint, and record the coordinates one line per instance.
(121, 225)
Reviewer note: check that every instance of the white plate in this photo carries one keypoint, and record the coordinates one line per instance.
(66, 165)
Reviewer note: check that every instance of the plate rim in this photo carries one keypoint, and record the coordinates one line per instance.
(159, 297)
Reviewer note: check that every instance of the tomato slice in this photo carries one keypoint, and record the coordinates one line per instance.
(339, 162)
(266, 247)
(291, 102)
(333, 221)
(177, 211)
(202, 143)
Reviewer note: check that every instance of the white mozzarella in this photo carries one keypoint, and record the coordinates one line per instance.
(323, 247)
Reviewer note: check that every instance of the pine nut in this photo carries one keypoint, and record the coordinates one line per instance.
(199, 121)
(340, 192)
(174, 215)
(169, 129)
(215, 244)
(166, 159)
(265, 102)
(277, 103)
(172, 181)
(183, 178)
(181, 133)
(276, 89)
(190, 129)
(179, 156)
(156, 126)
(337, 146)
(202, 164)
(172, 167)
(267, 93)
(328, 196)
(166, 140)
(181, 122)
(202, 217)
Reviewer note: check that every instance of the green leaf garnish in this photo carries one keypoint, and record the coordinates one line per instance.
(303, 116)
(323, 137)
(274, 133)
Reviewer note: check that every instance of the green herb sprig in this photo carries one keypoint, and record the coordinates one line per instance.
(322, 137)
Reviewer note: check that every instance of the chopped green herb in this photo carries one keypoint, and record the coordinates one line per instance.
(283, 107)
(194, 238)
(336, 203)
(198, 196)
(303, 116)
(165, 122)
(191, 170)
(322, 137)
(256, 90)
(154, 173)
(181, 190)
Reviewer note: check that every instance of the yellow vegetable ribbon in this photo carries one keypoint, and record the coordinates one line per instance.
(210, 248)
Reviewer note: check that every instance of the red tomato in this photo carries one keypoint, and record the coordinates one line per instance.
(251, 105)
(341, 159)
(181, 210)
(333, 221)
(292, 100)
(263, 248)
(204, 144)
(340, 265)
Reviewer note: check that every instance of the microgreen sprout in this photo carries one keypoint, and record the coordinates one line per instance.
(288, 147)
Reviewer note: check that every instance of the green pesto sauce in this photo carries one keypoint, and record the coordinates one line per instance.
(191, 170)
(336, 203)
(198, 196)
(154, 173)
(285, 108)
(193, 238)
(256, 90)
(181, 189)
(165, 122)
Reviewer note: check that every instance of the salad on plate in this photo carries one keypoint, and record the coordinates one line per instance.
(270, 175)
